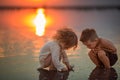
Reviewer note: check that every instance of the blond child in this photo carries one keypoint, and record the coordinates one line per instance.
(103, 52)
(53, 51)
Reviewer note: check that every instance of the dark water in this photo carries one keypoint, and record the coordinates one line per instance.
(96, 74)
(19, 46)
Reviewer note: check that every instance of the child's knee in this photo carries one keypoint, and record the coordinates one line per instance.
(90, 54)
(101, 53)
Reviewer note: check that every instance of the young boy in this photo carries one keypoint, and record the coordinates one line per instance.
(53, 51)
(103, 52)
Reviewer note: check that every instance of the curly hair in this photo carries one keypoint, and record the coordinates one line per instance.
(66, 36)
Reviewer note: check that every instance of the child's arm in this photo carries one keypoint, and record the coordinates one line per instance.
(93, 56)
(104, 59)
(65, 60)
(55, 53)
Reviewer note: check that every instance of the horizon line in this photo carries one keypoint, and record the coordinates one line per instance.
(63, 7)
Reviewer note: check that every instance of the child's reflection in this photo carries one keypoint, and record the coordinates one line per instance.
(53, 75)
(103, 74)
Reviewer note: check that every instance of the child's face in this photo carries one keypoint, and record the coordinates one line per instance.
(91, 44)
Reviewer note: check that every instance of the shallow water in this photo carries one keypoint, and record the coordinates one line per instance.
(19, 46)
(25, 68)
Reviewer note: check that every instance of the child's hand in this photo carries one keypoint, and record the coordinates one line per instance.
(64, 69)
(70, 68)
(97, 49)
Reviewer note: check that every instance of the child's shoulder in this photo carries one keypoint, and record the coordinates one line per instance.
(52, 43)
(103, 40)
(106, 42)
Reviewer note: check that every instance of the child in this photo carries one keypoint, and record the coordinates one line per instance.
(103, 52)
(53, 51)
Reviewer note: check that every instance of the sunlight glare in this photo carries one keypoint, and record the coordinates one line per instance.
(40, 22)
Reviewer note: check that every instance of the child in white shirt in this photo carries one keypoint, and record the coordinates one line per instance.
(53, 51)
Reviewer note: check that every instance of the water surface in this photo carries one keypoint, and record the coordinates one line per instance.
(19, 45)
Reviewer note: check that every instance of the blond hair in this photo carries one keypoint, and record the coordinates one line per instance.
(66, 36)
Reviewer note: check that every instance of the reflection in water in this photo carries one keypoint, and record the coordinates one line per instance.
(102, 74)
(53, 75)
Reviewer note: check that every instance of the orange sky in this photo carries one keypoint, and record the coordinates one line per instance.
(57, 2)
(21, 3)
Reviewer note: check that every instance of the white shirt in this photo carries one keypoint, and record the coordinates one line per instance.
(52, 49)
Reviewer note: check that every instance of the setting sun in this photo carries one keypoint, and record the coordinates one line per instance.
(40, 22)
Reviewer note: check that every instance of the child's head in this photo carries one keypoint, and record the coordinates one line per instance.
(66, 37)
(89, 38)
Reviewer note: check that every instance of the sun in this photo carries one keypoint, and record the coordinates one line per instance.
(40, 22)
